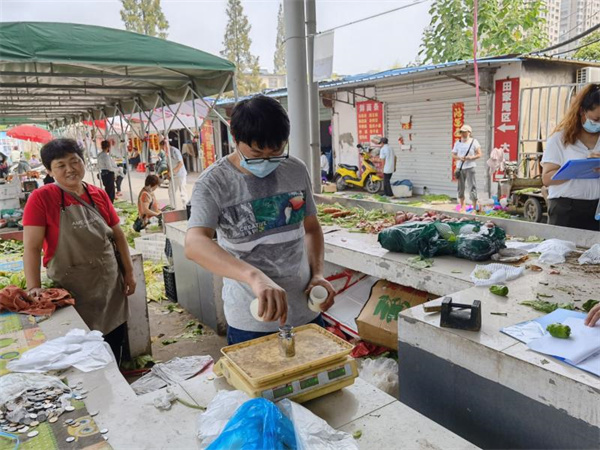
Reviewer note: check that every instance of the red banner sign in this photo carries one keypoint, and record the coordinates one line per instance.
(369, 118)
(506, 117)
(208, 143)
(458, 120)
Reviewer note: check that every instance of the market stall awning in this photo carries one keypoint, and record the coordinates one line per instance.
(57, 72)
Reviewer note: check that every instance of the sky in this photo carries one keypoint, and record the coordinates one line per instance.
(373, 45)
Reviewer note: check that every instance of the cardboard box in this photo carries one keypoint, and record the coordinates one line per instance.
(329, 187)
(378, 319)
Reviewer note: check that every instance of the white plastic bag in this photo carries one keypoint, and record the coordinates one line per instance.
(312, 432)
(172, 372)
(381, 373)
(84, 351)
(553, 251)
(494, 274)
(591, 256)
(218, 412)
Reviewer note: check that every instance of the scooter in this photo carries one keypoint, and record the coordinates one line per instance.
(348, 176)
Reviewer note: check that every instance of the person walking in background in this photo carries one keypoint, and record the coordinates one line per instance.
(389, 166)
(324, 166)
(175, 160)
(107, 168)
(122, 170)
(3, 165)
(465, 152)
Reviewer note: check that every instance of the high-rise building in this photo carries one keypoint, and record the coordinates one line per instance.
(576, 16)
(552, 16)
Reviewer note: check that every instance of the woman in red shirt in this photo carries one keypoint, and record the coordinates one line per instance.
(85, 250)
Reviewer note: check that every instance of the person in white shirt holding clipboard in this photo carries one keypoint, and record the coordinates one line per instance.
(572, 203)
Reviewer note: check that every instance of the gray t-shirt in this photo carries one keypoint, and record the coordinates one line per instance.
(261, 222)
(176, 158)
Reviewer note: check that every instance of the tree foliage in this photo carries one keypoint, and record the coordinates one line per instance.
(144, 17)
(279, 57)
(504, 27)
(236, 45)
(591, 51)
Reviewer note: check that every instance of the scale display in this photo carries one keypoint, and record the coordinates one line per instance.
(316, 381)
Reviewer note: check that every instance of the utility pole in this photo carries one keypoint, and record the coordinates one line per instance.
(313, 98)
(295, 55)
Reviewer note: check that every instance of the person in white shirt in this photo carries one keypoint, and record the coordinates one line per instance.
(175, 160)
(324, 166)
(107, 168)
(465, 152)
(573, 203)
(389, 166)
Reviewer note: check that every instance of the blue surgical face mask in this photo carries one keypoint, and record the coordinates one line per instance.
(591, 126)
(261, 169)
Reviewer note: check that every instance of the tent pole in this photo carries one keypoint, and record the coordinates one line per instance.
(212, 109)
(198, 149)
(124, 141)
(95, 141)
(169, 165)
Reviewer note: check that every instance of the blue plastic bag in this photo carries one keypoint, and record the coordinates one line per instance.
(257, 425)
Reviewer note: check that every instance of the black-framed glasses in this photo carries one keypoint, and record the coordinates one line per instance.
(273, 159)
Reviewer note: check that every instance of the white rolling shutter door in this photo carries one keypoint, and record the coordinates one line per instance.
(429, 163)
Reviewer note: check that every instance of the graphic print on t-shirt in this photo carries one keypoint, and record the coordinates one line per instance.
(263, 214)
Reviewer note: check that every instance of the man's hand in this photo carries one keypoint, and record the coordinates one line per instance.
(594, 155)
(272, 299)
(319, 280)
(593, 316)
(130, 283)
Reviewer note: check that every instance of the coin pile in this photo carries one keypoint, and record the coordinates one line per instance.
(31, 408)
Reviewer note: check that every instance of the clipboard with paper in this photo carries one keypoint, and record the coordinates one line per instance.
(579, 169)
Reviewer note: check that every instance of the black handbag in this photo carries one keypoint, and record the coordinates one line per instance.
(138, 224)
(457, 171)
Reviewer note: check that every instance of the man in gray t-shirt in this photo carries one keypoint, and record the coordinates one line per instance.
(269, 242)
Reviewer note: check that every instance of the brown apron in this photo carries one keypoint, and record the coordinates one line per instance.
(85, 263)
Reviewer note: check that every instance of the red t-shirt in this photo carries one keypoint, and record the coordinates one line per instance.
(43, 210)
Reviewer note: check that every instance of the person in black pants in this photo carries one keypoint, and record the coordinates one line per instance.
(107, 168)
(387, 154)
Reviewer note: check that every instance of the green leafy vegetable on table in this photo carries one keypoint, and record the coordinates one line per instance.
(499, 289)
(547, 307)
(558, 330)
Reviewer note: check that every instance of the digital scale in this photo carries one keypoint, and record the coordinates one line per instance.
(321, 365)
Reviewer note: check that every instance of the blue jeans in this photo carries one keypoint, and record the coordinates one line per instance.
(236, 336)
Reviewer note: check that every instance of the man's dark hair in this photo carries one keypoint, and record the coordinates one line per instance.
(261, 120)
(59, 148)
(105, 145)
(151, 181)
(383, 140)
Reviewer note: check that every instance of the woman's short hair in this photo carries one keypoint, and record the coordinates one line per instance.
(151, 181)
(59, 148)
(587, 99)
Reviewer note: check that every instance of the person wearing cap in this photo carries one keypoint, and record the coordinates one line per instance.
(465, 152)
(389, 166)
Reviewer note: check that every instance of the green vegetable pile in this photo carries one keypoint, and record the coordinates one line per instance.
(130, 212)
(155, 283)
(11, 247)
(498, 289)
(435, 198)
(356, 218)
(13, 279)
(558, 330)
(547, 307)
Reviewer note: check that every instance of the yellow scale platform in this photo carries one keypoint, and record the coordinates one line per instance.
(321, 365)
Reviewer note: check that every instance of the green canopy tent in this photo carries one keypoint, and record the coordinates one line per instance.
(62, 74)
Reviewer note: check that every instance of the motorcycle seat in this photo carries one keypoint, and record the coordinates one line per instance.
(349, 167)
